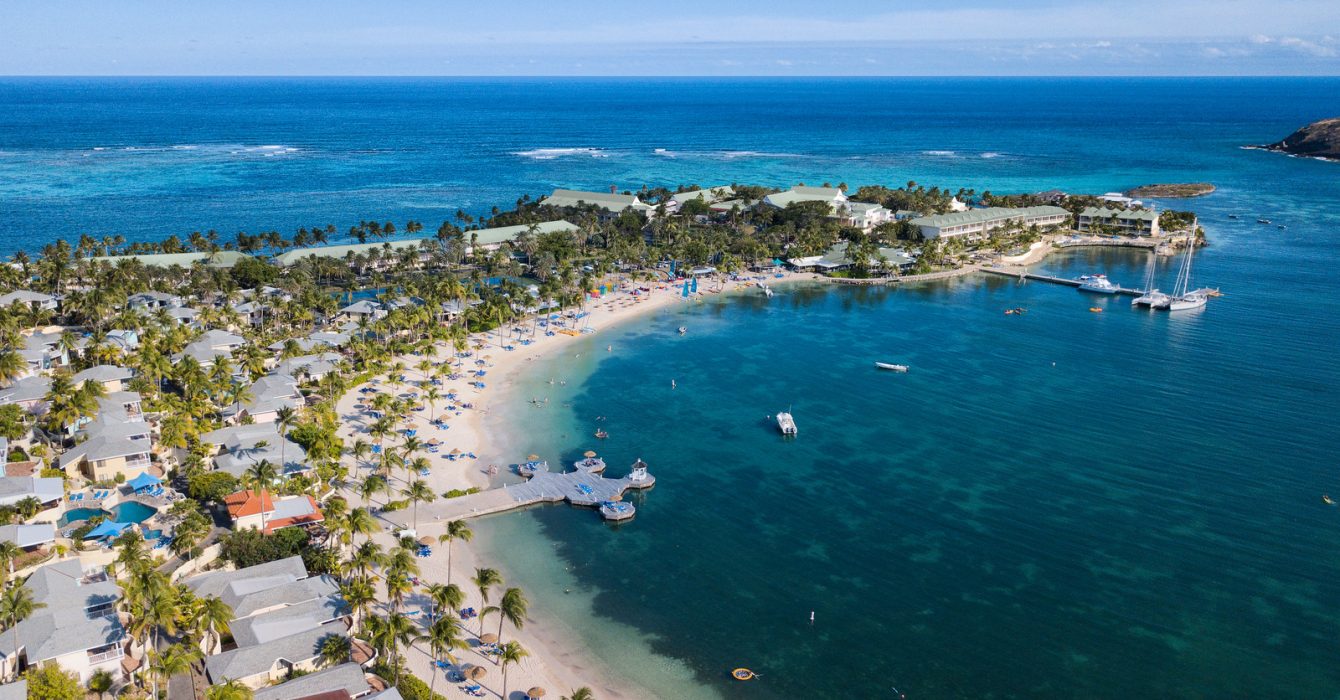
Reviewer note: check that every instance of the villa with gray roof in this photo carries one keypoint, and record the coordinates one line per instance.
(710, 195)
(238, 447)
(75, 626)
(42, 351)
(1126, 222)
(222, 259)
(490, 238)
(111, 377)
(281, 617)
(862, 215)
(979, 223)
(308, 367)
(211, 345)
(29, 537)
(268, 394)
(152, 301)
(28, 392)
(36, 301)
(347, 678)
(46, 490)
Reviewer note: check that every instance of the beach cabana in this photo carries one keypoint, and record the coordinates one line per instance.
(536, 692)
(106, 529)
(475, 673)
(144, 482)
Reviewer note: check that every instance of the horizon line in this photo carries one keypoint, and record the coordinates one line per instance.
(695, 76)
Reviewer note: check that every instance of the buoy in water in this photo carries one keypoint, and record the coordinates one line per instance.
(743, 674)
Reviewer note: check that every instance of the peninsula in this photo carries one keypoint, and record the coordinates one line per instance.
(1320, 139)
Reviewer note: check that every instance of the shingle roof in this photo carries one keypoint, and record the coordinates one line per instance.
(292, 619)
(348, 677)
(30, 388)
(28, 535)
(491, 236)
(988, 214)
(245, 662)
(104, 374)
(16, 488)
(1120, 214)
(64, 626)
(223, 258)
(25, 296)
(340, 251)
(605, 200)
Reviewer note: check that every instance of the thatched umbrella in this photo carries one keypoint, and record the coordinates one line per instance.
(456, 450)
(475, 673)
(426, 541)
(589, 454)
(536, 692)
(488, 638)
(532, 458)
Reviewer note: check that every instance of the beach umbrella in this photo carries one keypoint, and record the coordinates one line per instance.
(589, 454)
(426, 541)
(532, 458)
(536, 692)
(488, 638)
(456, 450)
(475, 673)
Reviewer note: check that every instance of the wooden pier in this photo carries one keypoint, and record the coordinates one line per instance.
(579, 487)
(1022, 274)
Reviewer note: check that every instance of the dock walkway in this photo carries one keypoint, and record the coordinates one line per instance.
(579, 487)
(1024, 274)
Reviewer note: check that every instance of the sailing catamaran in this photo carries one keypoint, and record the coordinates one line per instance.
(1183, 298)
(1152, 297)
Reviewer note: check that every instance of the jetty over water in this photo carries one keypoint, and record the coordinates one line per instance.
(579, 487)
(1023, 274)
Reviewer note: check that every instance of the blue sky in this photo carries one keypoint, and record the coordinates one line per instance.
(688, 37)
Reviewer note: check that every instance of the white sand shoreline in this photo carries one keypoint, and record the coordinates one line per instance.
(559, 660)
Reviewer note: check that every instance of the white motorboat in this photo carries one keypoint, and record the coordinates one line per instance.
(1097, 283)
(683, 330)
(786, 423)
(891, 366)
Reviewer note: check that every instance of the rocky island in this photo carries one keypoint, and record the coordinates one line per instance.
(1172, 190)
(1320, 139)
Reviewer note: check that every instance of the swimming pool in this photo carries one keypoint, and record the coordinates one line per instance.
(128, 512)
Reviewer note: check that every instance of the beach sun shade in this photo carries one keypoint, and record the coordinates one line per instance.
(145, 481)
(425, 540)
(488, 638)
(106, 528)
(536, 692)
(589, 453)
(475, 673)
(532, 458)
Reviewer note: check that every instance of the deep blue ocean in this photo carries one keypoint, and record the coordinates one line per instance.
(1056, 505)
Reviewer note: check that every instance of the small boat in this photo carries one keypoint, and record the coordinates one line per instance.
(683, 330)
(1096, 309)
(743, 674)
(1281, 227)
(1016, 311)
(1232, 216)
(891, 366)
(1327, 500)
(1263, 221)
(1097, 283)
(786, 423)
(601, 434)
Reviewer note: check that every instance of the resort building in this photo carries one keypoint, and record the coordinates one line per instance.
(348, 680)
(611, 202)
(239, 447)
(268, 394)
(111, 377)
(47, 490)
(35, 301)
(153, 301)
(262, 511)
(1125, 222)
(380, 249)
(29, 538)
(211, 345)
(42, 350)
(221, 259)
(281, 616)
(709, 196)
(862, 215)
(893, 260)
(492, 238)
(366, 309)
(979, 223)
(308, 367)
(74, 624)
(316, 341)
(111, 446)
(30, 392)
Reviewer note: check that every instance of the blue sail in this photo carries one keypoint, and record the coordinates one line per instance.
(695, 285)
(672, 268)
(686, 290)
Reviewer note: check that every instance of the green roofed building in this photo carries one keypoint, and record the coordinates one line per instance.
(342, 251)
(609, 201)
(222, 258)
(979, 223)
(494, 237)
(1129, 222)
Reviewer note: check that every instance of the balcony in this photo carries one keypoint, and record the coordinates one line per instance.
(103, 654)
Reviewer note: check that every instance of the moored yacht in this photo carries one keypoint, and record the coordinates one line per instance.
(786, 423)
(1097, 283)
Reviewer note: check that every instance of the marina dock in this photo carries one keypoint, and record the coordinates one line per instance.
(1022, 274)
(579, 487)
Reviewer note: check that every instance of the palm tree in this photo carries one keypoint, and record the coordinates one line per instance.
(9, 551)
(359, 594)
(485, 579)
(261, 474)
(335, 649)
(176, 659)
(418, 491)
(212, 617)
(16, 604)
(12, 365)
(508, 654)
(442, 637)
(512, 608)
(285, 417)
(456, 530)
(445, 596)
(100, 682)
(582, 693)
(229, 690)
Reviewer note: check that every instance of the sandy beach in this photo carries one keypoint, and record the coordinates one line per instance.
(556, 661)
